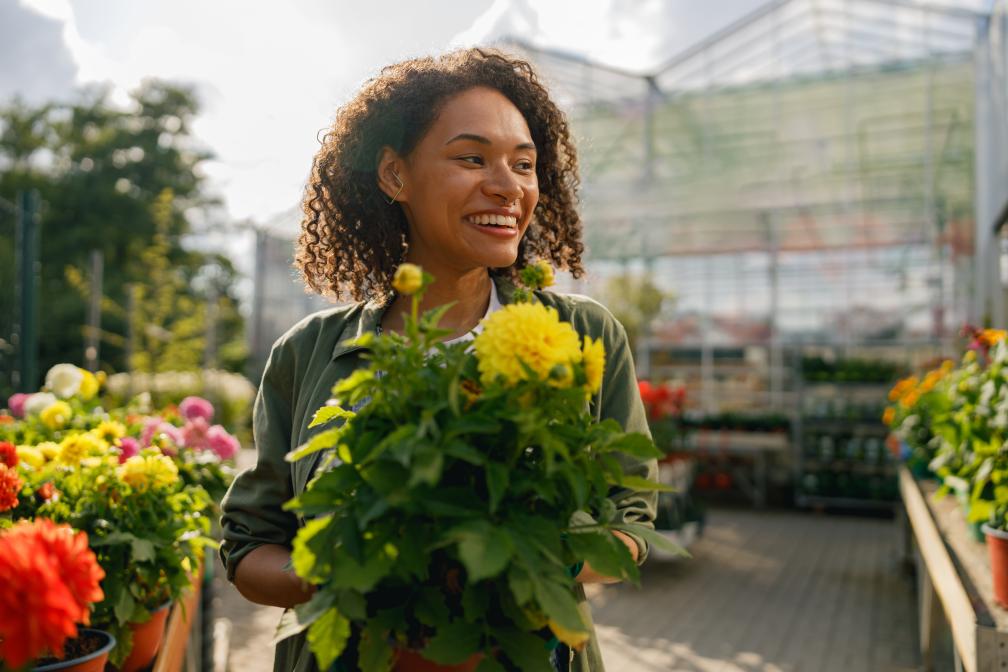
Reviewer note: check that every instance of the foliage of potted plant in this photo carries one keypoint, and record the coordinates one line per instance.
(453, 504)
(50, 579)
(134, 483)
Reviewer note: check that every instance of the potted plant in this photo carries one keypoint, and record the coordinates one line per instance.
(50, 580)
(452, 508)
(996, 532)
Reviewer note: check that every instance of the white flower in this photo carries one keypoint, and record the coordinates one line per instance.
(38, 402)
(64, 380)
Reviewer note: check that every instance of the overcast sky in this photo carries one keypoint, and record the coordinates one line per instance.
(270, 74)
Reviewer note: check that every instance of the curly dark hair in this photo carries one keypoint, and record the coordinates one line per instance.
(352, 239)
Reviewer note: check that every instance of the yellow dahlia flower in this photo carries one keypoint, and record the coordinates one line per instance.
(149, 472)
(528, 333)
(991, 337)
(50, 450)
(88, 385)
(594, 363)
(109, 430)
(56, 415)
(74, 448)
(30, 456)
(408, 279)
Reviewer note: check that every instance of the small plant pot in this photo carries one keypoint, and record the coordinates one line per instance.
(146, 640)
(94, 647)
(409, 660)
(997, 545)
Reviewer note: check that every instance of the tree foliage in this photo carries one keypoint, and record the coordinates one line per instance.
(126, 182)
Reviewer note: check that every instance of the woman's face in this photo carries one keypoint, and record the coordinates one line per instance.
(470, 185)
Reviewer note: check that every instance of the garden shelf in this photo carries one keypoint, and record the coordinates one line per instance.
(955, 588)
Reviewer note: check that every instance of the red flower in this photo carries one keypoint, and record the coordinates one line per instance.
(10, 486)
(46, 491)
(8, 454)
(50, 577)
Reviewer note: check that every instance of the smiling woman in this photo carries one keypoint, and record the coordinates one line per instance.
(462, 165)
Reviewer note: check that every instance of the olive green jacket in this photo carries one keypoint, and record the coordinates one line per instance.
(304, 365)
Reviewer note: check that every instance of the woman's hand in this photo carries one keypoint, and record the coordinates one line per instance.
(589, 575)
(264, 577)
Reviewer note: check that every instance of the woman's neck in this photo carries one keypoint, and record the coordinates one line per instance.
(469, 293)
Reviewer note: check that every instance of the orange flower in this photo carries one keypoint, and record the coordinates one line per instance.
(8, 454)
(901, 388)
(10, 486)
(889, 415)
(50, 578)
(990, 337)
(6, 419)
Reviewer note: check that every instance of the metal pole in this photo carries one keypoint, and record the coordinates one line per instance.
(776, 363)
(92, 341)
(27, 275)
(210, 353)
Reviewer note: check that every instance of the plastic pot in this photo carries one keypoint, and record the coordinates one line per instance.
(146, 640)
(997, 547)
(89, 662)
(408, 660)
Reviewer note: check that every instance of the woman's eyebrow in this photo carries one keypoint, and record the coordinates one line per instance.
(485, 141)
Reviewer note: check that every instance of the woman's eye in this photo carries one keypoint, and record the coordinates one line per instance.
(525, 165)
(475, 160)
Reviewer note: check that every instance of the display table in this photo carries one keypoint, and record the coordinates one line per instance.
(955, 589)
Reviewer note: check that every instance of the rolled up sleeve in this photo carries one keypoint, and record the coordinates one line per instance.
(252, 513)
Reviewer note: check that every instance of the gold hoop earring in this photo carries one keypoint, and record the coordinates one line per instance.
(401, 185)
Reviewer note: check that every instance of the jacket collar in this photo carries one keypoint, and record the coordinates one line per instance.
(371, 313)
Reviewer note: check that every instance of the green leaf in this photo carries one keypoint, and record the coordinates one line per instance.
(426, 467)
(328, 636)
(345, 387)
(430, 607)
(490, 665)
(636, 445)
(143, 550)
(453, 643)
(497, 482)
(605, 553)
(643, 484)
(484, 550)
(465, 452)
(375, 652)
(475, 601)
(297, 620)
(520, 584)
(526, 651)
(557, 601)
(352, 605)
(980, 511)
(653, 538)
(124, 607)
(303, 559)
(321, 441)
(328, 414)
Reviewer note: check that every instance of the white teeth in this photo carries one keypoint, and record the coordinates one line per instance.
(494, 220)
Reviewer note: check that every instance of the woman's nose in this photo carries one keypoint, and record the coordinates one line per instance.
(503, 183)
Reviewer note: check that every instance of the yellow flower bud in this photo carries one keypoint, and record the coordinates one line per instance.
(408, 279)
(88, 386)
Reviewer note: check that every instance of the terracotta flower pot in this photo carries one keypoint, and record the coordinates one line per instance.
(92, 661)
(408, 660)
(146, 640)
(997, 544)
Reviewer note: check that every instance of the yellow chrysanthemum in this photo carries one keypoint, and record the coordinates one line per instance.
(56, 415)
(149, 472)
(408, 279)
(546, 277)
(528, 333)
(593, 353)
(908, 400)
(88, 386)
(30, 456)
(109, 431)
(76, 447)
(49, 449)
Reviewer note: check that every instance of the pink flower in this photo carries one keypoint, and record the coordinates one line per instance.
(222, 443)
(194, 434)
(196, 407)
(162, 435)
(128, 447)
(16, 404)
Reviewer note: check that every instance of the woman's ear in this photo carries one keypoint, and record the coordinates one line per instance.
(390, 171)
